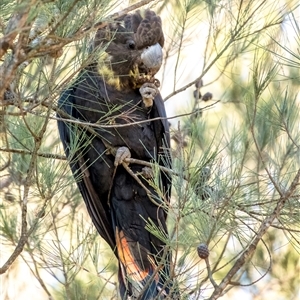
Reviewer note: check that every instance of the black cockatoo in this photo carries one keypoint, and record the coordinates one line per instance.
(120, 89)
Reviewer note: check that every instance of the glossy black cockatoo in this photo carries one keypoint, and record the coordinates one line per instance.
(122, 115)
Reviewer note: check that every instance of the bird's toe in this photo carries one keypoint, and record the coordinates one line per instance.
(121, 155)
(148, 92)
(147, 172)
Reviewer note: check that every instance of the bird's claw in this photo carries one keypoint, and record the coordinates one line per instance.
(147, 172)
(148, 92)
(142, 79)
(121, 154)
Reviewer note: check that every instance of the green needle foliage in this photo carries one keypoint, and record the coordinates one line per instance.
(235, 148)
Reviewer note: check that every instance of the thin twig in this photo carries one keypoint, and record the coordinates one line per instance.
(69, 119)
(209, 273)
(27, 152)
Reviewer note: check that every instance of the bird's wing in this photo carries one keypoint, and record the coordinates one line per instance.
(75, 149)
(162, 127)
(162, 133)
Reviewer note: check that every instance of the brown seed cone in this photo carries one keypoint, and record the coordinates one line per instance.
(203, 251)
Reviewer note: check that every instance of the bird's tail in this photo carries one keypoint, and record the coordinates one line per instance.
(139, 276)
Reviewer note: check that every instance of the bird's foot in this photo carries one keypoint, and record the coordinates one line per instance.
(147, 172)
(121, 154)
(148, 92)
(142, 79)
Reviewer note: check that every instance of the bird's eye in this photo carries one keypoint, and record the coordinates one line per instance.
(131, 44)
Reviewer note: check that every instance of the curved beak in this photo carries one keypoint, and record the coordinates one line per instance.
(152, 58)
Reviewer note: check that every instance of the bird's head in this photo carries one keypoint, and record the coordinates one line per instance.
(133, 49)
